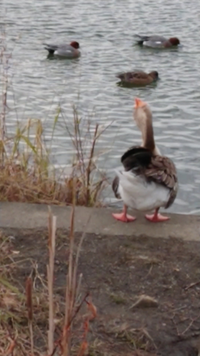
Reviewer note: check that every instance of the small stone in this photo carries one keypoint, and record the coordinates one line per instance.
(144, 301)
(16, 252)
(11, 237)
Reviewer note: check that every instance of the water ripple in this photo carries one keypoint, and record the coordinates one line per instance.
(106, 31)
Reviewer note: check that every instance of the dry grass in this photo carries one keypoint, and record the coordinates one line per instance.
(26, 173)
(35, 319)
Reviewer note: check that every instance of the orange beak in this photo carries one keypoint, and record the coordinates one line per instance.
(139, 103)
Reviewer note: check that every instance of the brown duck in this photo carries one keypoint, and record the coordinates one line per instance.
(148, 180)
(138, 78)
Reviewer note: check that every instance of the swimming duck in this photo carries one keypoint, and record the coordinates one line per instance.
(157, 41)
(149, 180)
(64, 50)
(138, 77)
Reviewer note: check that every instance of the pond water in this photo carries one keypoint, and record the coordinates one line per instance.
(105, 31)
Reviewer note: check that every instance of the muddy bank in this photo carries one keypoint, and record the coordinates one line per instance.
(117, 270)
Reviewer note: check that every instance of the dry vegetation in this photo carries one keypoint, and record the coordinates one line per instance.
(26, 173)
(34, 318)
(26, 170)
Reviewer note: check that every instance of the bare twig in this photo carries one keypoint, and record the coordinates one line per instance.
(30, 309)
(189, 326)
(50, 276)
(89, 164)
(182, 334)
(192, 285)
(69, 287)
(177, 331)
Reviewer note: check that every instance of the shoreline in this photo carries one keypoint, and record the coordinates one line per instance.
(35, 216)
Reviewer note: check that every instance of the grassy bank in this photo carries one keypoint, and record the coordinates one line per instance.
(33, 318)
(27, 173)
(144, 290)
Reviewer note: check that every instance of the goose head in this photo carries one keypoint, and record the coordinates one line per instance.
(143, 118)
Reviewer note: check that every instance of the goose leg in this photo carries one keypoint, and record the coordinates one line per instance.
(124, 216)
(156, 217)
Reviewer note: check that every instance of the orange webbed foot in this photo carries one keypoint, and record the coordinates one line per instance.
(124, 217)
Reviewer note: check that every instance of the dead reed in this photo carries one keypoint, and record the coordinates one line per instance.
(26, 173)
(38, 310)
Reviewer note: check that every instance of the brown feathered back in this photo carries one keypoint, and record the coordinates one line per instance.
(159, 169)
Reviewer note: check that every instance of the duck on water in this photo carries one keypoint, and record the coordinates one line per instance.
(68, 51)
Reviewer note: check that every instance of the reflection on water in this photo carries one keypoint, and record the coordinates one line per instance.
(105, 31)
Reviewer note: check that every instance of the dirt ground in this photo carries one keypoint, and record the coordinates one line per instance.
(116, 271)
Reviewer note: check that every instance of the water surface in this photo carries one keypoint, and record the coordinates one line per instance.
(106, 31)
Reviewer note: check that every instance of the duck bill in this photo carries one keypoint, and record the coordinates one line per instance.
(139, 103)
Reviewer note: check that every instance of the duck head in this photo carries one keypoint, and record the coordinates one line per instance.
(75, 44)
(174, 41)
(154, 75)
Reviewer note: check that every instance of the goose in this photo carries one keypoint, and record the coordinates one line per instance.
(68, 51)
(149, 180)
(157, 41)
(138, 77)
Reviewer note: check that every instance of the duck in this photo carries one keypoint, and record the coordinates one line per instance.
(148, 180)
(157, 41)
(69, 51)
(138, 77)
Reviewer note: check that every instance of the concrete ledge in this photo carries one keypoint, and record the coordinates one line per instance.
(30, 216)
